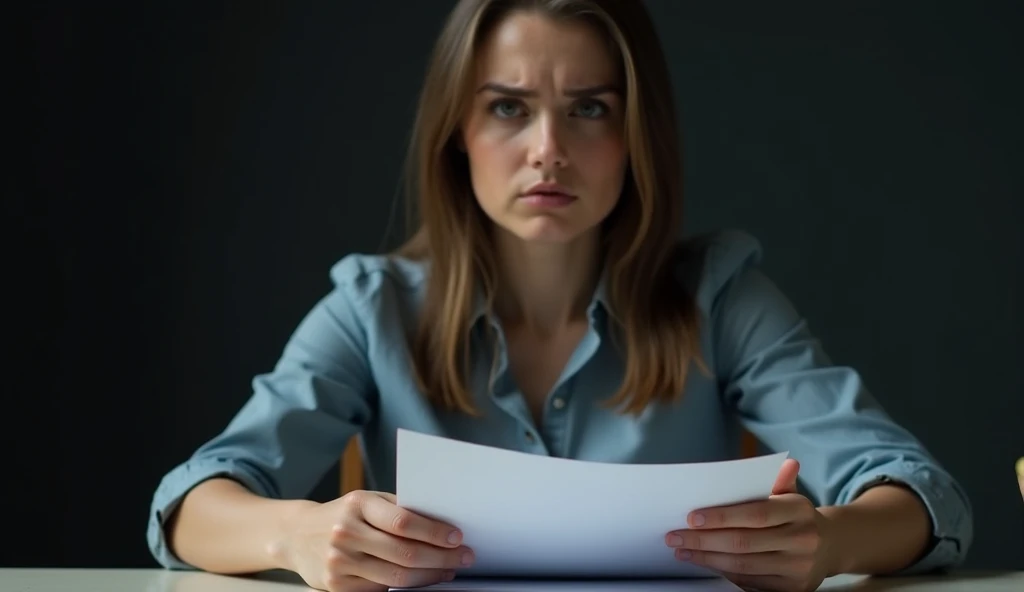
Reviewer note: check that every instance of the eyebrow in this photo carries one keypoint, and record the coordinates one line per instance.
(515, 91)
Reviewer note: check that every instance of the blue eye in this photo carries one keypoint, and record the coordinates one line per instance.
(590, 109)
(506, 109)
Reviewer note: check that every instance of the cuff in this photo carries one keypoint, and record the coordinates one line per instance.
(179, 482)
(947, 504)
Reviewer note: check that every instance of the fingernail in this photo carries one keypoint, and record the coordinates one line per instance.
(698, 519)
(455, 537)
(675, 540)
(684, 554)
(467, 558)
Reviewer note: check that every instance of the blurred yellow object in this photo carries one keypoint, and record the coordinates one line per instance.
(1020, 475)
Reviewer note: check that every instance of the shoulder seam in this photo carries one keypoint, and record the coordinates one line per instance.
(357, 273)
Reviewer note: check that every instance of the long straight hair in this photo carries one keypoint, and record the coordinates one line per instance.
(653, 316)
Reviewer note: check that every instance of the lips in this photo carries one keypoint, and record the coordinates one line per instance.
(548, 199)
(548, 189)
(548, 195)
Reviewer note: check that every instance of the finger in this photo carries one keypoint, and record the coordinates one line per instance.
(737, 540)
(341, 583)
(413, 553)
(759, 583)
(759, 514)
(756, 564)
(386, 516)
(785, 482)
(397, 576)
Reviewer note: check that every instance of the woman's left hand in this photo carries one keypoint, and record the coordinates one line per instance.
(779, 544)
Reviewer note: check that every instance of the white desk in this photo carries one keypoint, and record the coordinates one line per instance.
(158, 580)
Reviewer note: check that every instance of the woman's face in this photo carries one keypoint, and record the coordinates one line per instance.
(544, 130)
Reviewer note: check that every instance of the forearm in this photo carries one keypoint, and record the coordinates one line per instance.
(222, 527)
(884, 530)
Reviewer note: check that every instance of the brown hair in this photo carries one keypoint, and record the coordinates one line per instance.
(654, 317)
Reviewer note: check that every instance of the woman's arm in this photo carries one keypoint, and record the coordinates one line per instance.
(222, 527)
(884, 530)
(294, 426)
(861, 468)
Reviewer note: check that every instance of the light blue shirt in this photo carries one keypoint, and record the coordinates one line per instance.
(346, 371)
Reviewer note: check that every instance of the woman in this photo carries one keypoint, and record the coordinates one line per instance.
(545, 305)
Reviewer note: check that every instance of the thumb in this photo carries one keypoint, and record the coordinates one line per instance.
(388, 496)
(786, 481)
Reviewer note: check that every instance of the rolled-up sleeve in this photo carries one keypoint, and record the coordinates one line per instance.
(295, 424)
(792, 397)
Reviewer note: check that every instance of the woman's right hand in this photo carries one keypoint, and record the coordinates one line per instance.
(364, 541)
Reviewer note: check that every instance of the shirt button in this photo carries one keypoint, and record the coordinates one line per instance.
(558, 403)
(529, 437)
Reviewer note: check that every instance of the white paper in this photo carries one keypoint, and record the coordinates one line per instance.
(494, 585)
(541, 517)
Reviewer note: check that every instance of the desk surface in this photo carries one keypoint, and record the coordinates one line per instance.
(158, 580)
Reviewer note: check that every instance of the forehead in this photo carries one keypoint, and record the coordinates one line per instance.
(533, 49)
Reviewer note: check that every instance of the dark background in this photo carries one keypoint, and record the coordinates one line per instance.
(193, 169)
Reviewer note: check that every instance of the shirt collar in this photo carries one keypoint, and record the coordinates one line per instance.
(600, 300)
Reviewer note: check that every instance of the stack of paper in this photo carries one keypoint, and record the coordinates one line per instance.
(677, 585)
(534, 516)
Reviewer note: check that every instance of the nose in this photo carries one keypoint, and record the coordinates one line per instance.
(546, 149)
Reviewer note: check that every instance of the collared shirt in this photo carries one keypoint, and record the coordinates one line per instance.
(346, 371)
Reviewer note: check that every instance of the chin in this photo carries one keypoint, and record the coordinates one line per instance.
(547, 230)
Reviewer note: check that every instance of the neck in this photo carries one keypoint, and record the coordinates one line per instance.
(544, 287)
